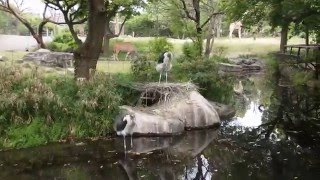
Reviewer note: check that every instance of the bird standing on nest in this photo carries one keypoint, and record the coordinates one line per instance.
(164, 64)
(124, 126)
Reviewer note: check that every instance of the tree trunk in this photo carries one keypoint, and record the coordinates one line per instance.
(86, 56)
(74, 34)
(40, 37)
(284, 36)
(210, 37)
(199, 44)
(107, 36)
(209, 45)
(307, 36)
(207, 50)
(106, 44)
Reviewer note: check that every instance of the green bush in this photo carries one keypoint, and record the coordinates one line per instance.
(143, 69)
(189, 50)
(204, 73)
(159, 45)
(35, 110)
(143, 66)
(63, 42)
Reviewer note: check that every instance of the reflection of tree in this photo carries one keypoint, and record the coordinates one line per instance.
(297, 114)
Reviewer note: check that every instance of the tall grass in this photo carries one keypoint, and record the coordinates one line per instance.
(36, 109)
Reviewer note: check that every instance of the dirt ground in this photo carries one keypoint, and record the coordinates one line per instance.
(18, 43)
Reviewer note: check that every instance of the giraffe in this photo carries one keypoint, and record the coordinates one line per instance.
(235, 25)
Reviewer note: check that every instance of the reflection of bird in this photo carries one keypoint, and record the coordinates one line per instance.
(124, 127)
(238, 89)
(261, 107)
(164, 64)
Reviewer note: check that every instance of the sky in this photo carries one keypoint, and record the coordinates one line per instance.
(34, 6)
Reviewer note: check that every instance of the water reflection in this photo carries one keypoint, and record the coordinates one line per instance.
(157, 157)
(251, 118)
(280, 142)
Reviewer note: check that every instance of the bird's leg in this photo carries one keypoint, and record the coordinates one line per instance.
(131, 141)
(166, 77)
(124, 143)
(160, 77)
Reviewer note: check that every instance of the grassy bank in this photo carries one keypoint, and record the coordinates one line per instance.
(36, 109)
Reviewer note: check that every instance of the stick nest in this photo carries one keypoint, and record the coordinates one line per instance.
(160, 93)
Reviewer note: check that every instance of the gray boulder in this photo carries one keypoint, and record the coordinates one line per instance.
(224, 111)
(52, 59)
(241, 65)
(173, 117)
(151, 124)
(3, 58)
(43, 50)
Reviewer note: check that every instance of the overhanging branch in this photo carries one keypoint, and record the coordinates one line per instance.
(210, 17)
(185, 9)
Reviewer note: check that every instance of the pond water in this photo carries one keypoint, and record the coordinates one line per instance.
(275, 135)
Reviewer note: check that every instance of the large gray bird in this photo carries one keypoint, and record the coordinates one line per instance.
(164, 64)
(124, 126)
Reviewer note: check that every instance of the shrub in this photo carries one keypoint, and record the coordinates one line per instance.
(35, 110)
(143, 69)
(143, 66)
(189, 50)
(159, 45)
(63, 42)
(204, 73)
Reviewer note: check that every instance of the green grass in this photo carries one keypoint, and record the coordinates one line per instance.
(227, 47)
(222, 46)
(13, 55)
(114, 66)
(235, 47)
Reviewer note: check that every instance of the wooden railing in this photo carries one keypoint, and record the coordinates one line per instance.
(289, 49)
(304, 59)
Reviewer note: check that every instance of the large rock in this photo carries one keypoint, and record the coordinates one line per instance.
(224, 111)
(51, 59)
(241, 65)
(3, 58)
(151, 124)
(173, 117)
(194, 112)
(238, 68)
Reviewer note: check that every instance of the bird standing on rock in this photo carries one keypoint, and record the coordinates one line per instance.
(164, 64)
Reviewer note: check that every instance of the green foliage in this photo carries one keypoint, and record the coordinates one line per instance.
(204, 73)
(190, 50)
(143, 69)
(35, 133)
(302, 77)
(141, 25)
(35, 110)
(124, 87)
(11, 25)
(159, 45)
(63, 42)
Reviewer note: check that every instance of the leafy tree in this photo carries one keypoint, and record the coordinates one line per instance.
(194, 18)
(13, 7)
(73, 11)
(123, 8)
(279, 13)
(141, 25)
(15, 10)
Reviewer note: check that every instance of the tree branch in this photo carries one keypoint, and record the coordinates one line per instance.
(213, 14)
(186, 11)
(122, 24)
